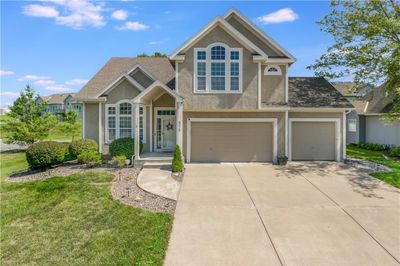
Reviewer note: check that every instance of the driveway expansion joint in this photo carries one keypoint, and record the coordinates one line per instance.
(348, 214)
(259, 216)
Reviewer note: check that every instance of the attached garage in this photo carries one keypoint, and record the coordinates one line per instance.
(232, 140)
(314, 139)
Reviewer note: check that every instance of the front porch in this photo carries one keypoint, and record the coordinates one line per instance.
(164, 124)
(154, 160)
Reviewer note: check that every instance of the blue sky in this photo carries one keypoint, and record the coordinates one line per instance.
(57, 45)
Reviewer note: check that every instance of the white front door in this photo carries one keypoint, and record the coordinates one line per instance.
(168, 133)
(165, 125)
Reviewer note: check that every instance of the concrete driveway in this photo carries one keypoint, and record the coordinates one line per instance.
(304, 214)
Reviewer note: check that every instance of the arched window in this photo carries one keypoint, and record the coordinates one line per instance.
(272, 71)
(218, 69)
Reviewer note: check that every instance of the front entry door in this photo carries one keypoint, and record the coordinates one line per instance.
(165, 125)
(168, 133)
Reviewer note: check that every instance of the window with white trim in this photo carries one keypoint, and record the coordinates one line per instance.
(111, 123)
(119, 121)
(218, 69)
(352, 125)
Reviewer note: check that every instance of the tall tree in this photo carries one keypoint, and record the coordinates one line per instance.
(29, 123)
(366, 45)
(70, 125)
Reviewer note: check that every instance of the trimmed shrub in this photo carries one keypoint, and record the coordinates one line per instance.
(177, 163)
(90, 158)
(118, 161)
(395, 151)
(124, 146)
(78, 147)
(373, 147)
(47, 153)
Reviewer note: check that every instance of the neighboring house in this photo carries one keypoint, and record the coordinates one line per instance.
(366, 123)
(224, 95)
(4, 111)
(59, 103)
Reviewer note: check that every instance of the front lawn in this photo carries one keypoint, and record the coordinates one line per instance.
(74, 220)
(392, 178)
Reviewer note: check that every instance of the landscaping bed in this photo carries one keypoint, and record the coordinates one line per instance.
(74, 220)
(125, 189)
(379, 157)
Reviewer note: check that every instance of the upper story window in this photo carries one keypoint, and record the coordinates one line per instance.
(218, 69)
(273, 71)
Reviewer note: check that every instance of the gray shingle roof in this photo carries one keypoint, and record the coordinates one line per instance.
(315, 92)
(57, 98)
(159, 67)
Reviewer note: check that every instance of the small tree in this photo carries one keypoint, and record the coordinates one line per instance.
(366, 37)
(70, 125)
(29, 123)
(177, 162)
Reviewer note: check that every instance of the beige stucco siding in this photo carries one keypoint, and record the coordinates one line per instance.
(235, 22)
(279, 116)
(231, 141)
(273, 87)
(92, 121)
(142, 78)
(313, 141)
(246, 100)
(124, 91)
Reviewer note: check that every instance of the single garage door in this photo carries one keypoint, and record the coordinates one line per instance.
(313, 141)
(231, 141)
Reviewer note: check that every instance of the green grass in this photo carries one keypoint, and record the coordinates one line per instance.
(54, 134)
(392, 178)
(75, 221)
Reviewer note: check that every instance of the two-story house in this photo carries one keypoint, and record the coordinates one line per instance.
(223, 96)
(59, 103)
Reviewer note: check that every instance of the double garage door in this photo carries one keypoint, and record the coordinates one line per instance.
(232, 141)
(254, 141)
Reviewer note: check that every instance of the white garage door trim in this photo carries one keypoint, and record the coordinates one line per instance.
(274, 122)
(338, 136)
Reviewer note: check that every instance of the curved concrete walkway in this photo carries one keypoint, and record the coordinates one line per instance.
(159, 182)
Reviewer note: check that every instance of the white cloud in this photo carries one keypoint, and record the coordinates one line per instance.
(133, 26)
(44, 82)
(282, 15)
(72, 13)
(119, 14)
(58, 88)
(40, 11)
(159, 41)
(6, 73)
(9, 94)
(73, 82)
(33, 77)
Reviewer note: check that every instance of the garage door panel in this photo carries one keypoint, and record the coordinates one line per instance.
(231, 141)
(313, 141)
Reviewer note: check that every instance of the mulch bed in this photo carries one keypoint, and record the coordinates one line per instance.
(65, 169)
(124, 187)
(366, 165)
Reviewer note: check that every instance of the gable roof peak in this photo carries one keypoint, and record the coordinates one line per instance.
(264, 36)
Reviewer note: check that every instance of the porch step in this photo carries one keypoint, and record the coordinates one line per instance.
(157, 165)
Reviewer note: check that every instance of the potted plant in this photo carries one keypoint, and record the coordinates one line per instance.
(282, 160)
